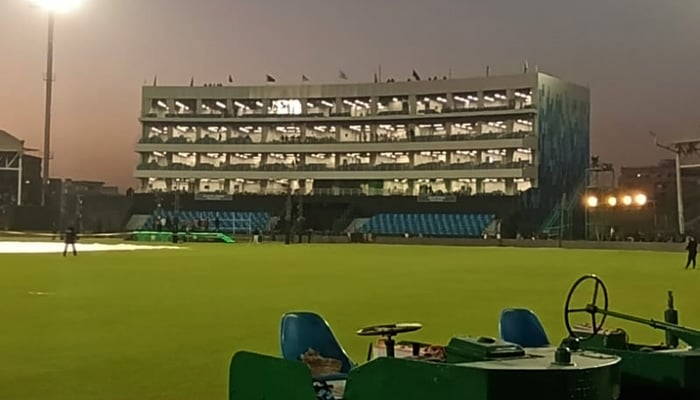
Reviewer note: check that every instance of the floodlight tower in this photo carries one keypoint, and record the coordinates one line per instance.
(53, 7)
(595, 188)
(680, 148)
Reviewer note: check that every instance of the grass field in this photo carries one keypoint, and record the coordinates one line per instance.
(164, 324)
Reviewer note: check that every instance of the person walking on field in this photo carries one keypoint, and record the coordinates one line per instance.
(692, 248)
(70, 239)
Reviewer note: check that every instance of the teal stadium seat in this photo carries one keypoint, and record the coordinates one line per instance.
(258, 220)
(454, 225)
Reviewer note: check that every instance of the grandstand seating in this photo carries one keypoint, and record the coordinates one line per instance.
(229, 221)
(457, 225)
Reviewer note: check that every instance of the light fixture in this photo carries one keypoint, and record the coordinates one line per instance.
(640, 199)
(612, 201)
(592, 201)
(627, 200)
(59, 6)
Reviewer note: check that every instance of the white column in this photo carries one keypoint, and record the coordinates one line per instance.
(679, 194)
(230, 109)
(412, 104)
(19, 176)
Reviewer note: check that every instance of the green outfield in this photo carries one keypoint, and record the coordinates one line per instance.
(164, 324)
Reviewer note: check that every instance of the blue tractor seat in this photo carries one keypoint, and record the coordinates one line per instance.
(301, 331)
(522, 326)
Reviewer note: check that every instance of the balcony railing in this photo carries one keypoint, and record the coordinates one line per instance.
(445, 110)
(437, 166)
(338, 191)
(331, 140)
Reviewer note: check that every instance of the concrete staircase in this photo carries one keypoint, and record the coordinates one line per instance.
(136, 222)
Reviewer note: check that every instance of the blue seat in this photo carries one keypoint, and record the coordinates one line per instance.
(470, 225)
(521, 326)
(301, 331)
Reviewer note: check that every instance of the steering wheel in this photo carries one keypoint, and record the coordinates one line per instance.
(389, 330)
(592, 308)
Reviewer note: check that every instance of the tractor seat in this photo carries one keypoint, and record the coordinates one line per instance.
(522, 327)
(305, 333)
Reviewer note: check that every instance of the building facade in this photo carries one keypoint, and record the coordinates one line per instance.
(487, 135)
(20, 173)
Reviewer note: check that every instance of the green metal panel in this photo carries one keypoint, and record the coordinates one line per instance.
(647, 367)
(590, 377)
(152, 236)
(402, 379)
(259, 377)
(468, 349)
(531, 377)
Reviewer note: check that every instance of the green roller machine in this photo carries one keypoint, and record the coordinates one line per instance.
(313, 366)
(650, 372)
(153, 236)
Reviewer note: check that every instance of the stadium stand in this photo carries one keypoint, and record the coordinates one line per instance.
(335, 214)
(460, 225)
(229, 221)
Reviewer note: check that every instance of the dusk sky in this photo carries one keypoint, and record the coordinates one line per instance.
(641, 59)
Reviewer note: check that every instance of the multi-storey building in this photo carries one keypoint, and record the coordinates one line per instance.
(499, 134)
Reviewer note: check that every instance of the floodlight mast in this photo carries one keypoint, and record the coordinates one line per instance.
(52, 7)
(679, 189)
(47, 111)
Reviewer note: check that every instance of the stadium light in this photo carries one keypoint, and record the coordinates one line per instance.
(59, 6)
(640, 199)
(592, 201)
(627, 200)
(53, 7)
(612, 201)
